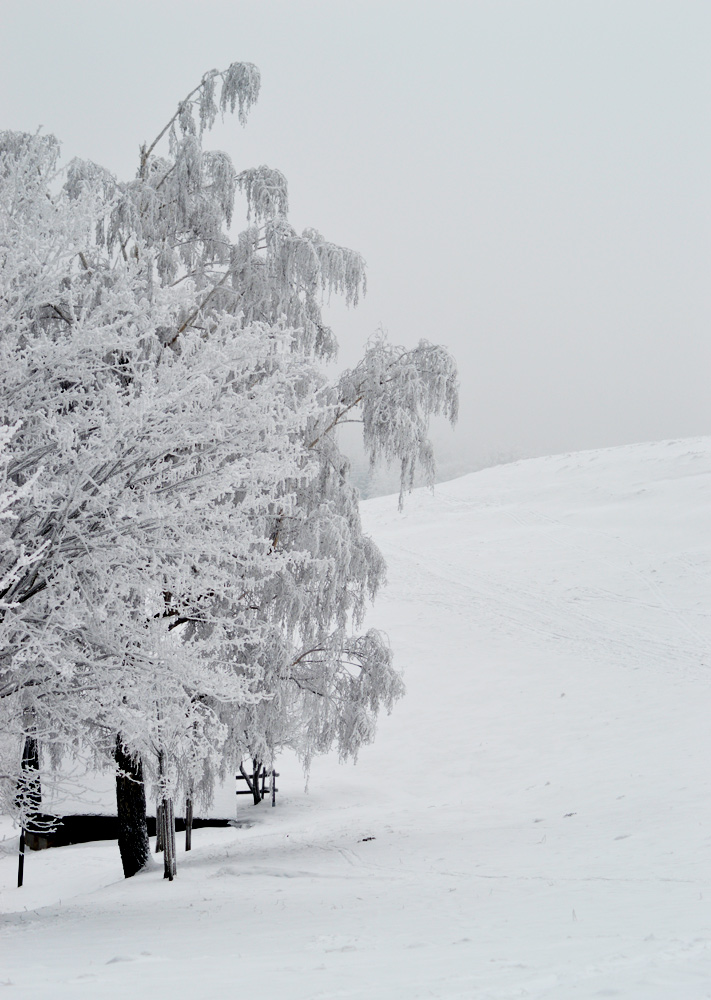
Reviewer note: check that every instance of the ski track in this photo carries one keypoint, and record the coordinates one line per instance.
(581, 619)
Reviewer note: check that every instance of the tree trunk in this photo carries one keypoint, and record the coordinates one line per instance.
(28, 797)
(131, 808)
(30, 762)
(29, 786)
(168, 818)
(173, 852)
(253, 781)
(21, 860)
(189, 823)
(159, 827)
(257, 788)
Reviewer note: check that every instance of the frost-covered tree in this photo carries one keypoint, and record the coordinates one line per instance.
(328, 682)
(320, 682)
(137, 472)
(190, 572)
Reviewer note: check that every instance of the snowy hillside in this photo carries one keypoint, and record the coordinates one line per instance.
(534, 819)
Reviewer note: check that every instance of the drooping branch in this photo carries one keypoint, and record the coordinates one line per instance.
(240, 87)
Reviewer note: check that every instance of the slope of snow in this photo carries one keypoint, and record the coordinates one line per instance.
(534, 819)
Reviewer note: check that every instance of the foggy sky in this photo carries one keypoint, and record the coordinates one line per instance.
(529, 182)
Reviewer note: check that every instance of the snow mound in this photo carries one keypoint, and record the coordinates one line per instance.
(534, 818)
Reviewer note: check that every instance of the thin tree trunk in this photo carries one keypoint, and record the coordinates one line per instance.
(28, 797)
(167, 824)
(173, 852)
(29, 786)
(189, 823)
(160, 841)
(21, 860)
(131, 809)
(252, 781)
(257, 789)
(168, 817)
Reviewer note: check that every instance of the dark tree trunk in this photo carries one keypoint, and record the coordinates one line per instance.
(252, 781)
(165, 826)
(29, 787)
(21, 860)
(189, 823)
(257, 788)
(168, 823)
(131, 808)
(28, 797)
(159, 827)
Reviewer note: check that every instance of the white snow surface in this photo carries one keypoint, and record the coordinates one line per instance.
(533, 820)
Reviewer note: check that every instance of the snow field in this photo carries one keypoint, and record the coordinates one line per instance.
(539, 802)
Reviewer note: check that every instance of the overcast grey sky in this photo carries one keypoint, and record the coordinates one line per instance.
(529, 182)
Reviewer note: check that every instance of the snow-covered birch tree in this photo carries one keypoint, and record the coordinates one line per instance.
(139, 472)
(190, 573)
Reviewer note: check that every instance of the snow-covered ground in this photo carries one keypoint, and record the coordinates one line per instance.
(534, 819)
